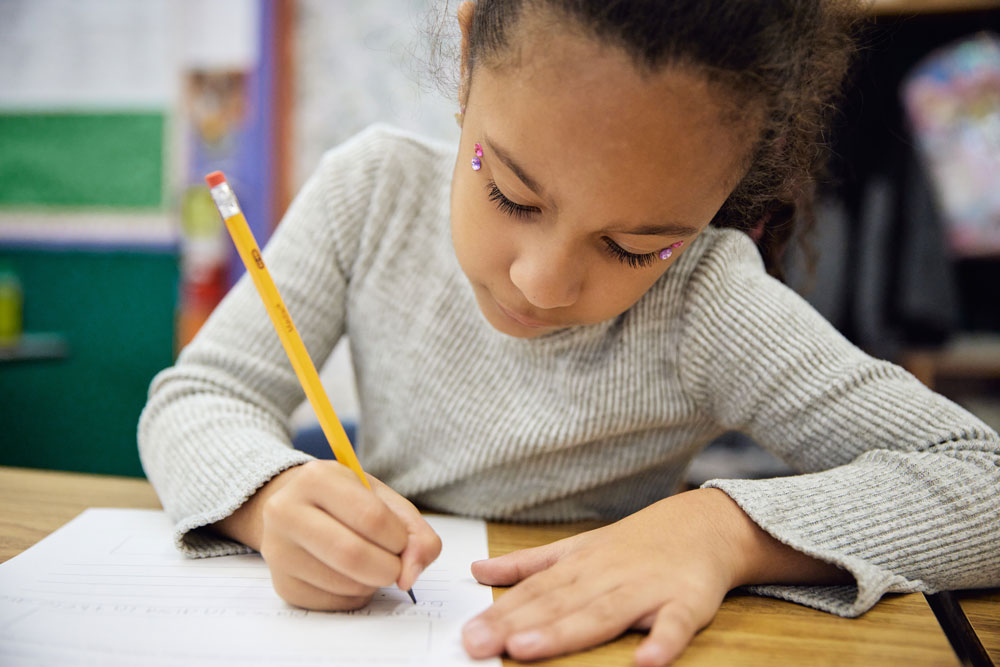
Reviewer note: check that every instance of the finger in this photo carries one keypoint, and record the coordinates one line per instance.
(488, 634)
(295, 561)
(544, 593)
(423, 544)
(516, 566)
(599, 620)
(355, 506)
(340, 548)
(539, 584)
(672, 631)
(303, 594)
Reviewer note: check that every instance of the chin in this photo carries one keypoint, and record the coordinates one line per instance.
(526, 333)
(515, 330)
(503, 322)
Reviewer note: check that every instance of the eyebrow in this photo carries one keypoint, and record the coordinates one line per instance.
(661, 229)
(653, 229)
(505, 157)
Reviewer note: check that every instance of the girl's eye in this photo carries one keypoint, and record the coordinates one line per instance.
(506, 206)
(626, 257)
(516, 210)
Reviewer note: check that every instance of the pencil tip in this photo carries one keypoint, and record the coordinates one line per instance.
(412, 596)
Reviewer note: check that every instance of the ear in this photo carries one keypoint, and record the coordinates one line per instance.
(466, 10)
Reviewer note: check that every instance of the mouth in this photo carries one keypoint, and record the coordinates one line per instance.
(524, 320)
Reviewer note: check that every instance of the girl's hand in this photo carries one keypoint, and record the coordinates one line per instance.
(665, 568)
(329, 542)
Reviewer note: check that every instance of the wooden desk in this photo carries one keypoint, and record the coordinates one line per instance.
(746, 631)
(982, 608)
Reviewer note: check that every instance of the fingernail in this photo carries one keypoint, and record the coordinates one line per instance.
(477, 634)
(526, 641)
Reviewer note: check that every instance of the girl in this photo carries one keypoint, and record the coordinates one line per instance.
(550, 326)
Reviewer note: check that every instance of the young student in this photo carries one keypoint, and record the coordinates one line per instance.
(551, 325)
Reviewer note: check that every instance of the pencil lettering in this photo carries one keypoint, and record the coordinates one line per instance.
(285, 317)
(257, 258)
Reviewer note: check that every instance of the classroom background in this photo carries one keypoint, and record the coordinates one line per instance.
(112, 253)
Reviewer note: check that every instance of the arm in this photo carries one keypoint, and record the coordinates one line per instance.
(901, 482)
(902, 494)
(665, 568)
(214, 435)
(215, 427)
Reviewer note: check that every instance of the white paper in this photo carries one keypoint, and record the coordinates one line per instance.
(108, 588)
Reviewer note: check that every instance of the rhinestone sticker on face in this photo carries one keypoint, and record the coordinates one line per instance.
(667, 252)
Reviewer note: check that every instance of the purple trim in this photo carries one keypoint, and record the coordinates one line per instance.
(248, 159)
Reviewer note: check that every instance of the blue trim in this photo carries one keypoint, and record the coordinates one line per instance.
(312, 441)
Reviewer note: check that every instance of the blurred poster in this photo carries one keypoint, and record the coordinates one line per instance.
(85, 54)
(952, 100)
(226, 113)
(85, 92)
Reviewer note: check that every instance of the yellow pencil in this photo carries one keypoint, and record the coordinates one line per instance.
(246, 245)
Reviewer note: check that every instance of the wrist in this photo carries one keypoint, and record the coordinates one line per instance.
(755, 557)
(246, 523)
(736, 542)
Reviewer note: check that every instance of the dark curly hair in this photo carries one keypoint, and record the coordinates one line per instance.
(784, 58)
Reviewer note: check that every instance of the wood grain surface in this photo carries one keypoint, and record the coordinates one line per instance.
(747, 630)
(982, 608)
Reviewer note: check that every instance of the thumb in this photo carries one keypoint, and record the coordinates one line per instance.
(511, 568)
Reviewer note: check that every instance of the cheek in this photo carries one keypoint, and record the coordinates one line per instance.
(611, 289)
(483, 244)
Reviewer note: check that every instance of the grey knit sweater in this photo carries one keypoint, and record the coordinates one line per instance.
(899, 486)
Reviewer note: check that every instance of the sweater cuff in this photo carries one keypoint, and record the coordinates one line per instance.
(192, 537)
(855, 521)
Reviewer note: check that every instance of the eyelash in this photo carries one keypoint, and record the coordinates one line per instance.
(506, 206)
(626, 257)
(521, 212)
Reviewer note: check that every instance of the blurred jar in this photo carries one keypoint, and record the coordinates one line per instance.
(11, 306)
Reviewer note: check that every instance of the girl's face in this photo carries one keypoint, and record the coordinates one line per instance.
(590, 167)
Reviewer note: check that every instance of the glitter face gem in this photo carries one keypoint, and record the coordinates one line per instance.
(667, 252)
(477, 164)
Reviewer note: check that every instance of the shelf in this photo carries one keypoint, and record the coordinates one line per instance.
(907, 7)
(968, 357)
(34, 347)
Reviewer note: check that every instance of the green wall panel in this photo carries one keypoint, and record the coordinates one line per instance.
(116, 312)
(82, 159)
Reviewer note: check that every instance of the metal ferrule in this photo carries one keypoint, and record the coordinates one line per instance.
(225, 200)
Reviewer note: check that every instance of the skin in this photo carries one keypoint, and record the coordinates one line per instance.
(329, 542)
(596, 179)
(580, 120)
(609, 150)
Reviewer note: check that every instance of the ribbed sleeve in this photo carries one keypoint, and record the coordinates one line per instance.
(900, 486)
(909, 494)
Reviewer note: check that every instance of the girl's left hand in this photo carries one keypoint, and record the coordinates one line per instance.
(665, 568)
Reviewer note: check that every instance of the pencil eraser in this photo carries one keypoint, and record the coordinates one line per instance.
(215, 178)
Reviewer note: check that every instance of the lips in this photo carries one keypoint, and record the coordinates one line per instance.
(524, 320)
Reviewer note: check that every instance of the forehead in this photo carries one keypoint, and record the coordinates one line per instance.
(581, 117)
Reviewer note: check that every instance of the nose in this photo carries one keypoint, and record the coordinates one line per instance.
(547, 277)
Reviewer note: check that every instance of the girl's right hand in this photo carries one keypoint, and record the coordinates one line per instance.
(329, 542)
